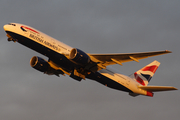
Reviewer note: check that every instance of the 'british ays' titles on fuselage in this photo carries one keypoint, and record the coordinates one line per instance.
(38, 39)
(79, 65)
(44, 39)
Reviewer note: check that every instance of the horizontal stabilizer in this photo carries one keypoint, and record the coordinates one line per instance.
(157, 88)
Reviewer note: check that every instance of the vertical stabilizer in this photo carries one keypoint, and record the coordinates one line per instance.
(144, 75)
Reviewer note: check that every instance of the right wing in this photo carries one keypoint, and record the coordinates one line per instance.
(104, 60)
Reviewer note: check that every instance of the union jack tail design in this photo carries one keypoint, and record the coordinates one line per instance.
(144, 75)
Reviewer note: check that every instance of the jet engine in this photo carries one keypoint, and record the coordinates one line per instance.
(39, 64)
(79, 56)
(44, 66)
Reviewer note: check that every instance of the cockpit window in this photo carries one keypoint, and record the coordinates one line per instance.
(12, 24)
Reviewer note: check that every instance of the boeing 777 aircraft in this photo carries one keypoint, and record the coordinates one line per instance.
(79, 65)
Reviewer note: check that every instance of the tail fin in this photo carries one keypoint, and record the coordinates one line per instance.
(144, 75)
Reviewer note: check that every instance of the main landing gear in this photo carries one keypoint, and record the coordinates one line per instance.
(11, 38)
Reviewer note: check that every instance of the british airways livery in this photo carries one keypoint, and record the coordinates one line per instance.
(79, 65)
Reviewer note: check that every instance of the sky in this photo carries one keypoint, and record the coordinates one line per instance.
(94, 26)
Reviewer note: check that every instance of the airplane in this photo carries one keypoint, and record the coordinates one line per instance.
(63, 59)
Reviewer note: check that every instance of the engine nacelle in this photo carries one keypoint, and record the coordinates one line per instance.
(39, 64)
(79, 56)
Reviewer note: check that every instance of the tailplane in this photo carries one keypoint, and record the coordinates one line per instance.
(157, 88)
(144, 75)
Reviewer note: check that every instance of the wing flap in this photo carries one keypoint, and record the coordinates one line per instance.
(157, 88)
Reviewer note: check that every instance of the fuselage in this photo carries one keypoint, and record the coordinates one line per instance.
(56, 51)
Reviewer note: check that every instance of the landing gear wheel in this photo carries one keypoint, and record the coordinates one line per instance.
(10, 38)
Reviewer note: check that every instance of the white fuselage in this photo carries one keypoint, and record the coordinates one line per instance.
(115, 79)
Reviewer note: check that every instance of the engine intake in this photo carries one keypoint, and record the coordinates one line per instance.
(79, 56)
(39, 64)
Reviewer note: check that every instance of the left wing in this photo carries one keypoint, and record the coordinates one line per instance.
(104, 60)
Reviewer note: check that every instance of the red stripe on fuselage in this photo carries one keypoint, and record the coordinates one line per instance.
(150, 68)
(30, 29)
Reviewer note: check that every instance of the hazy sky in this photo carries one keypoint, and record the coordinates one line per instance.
(94, 26)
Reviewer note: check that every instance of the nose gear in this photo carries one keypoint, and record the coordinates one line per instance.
(10, 38)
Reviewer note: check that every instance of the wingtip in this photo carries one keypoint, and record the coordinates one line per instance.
(175, 88)
(167, 51)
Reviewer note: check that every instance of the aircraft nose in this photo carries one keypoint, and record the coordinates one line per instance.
(5, 27)
(9, 27)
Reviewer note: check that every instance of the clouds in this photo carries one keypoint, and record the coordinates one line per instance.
(96, 26)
